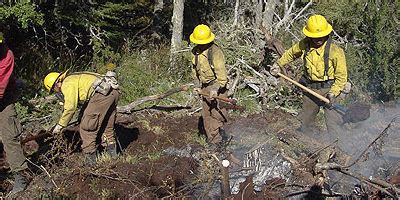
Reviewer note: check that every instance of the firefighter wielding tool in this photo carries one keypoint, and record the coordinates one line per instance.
(356, 112)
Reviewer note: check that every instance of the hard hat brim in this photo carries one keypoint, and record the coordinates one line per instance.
(60, 77)
(206, 41)
(319, 34)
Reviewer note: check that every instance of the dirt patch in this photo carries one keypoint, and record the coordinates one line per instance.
(163, 158)
(159, 132)
(142, 172)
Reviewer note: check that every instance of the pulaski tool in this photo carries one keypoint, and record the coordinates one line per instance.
(355, 112)
(228, 103)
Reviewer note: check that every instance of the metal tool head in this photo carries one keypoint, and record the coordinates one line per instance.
(357, 112)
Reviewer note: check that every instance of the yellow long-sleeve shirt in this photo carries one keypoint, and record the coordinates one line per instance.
(76, 88)
(315, 67)
(204, 71)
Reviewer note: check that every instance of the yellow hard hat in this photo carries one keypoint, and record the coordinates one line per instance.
(317, 27)
(52, 78)
(202, 35)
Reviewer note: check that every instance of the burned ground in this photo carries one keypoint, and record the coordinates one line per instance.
(165, 157)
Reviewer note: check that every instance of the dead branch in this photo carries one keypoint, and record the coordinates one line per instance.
(251, 69)
(323, 148)
(236, 14)
(127, 109)
(286, 16)
(45, 171)
(272, 43)
(377, 183)
(372, 143)
(47, 99)
(313, 192)
(118, 178)
(235, 82)
(299, 14)
(40, 134)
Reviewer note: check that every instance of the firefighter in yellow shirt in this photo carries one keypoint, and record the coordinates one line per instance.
(209, 70)
(324, 71)
(99, 98)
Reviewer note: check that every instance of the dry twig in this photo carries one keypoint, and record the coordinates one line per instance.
(372, 143)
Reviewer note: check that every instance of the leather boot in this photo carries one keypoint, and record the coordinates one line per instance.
(226, 138)
(21, 181)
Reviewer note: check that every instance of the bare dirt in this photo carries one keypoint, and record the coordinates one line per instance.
(146, 171)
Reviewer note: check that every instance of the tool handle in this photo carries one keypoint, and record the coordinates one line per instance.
(322, 98)
(225, 99)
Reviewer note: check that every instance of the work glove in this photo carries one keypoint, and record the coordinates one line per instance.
(331, 97)
(347, 88)
(275, 69)
(57, 129)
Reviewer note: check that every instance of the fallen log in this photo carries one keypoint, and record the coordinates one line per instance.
(127, 109)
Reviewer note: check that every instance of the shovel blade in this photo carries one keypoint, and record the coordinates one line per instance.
(357, 112)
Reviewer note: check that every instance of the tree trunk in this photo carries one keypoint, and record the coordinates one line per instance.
(159, 5)
(177, 29)
(268, 14)
(236, 17)
(258, 7)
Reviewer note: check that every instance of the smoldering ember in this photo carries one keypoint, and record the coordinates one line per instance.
(200, 99)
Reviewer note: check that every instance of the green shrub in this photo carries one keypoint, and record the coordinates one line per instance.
(373, 49)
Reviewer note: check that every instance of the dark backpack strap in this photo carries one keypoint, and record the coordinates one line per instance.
(210, 55)
(196, 62)
(307, 43)
(210, 59)
(326, 57)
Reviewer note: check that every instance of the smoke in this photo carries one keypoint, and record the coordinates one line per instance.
(378, 160)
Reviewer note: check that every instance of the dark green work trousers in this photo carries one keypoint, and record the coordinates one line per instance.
(10, 129)
(311, 107)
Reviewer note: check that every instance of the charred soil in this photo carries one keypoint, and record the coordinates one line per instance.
(267, 155)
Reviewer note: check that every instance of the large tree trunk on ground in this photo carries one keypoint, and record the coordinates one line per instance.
(177, 29)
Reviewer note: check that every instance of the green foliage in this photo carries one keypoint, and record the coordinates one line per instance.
(373, 53)
(103, 54)
(196, 138)
(130, 159)
(24, 13)
(153, 156)
(120, 20)
(51, 36)
(146, 72)
(245, 99)
(22, 111)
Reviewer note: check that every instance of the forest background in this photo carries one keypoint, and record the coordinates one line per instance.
(148, 42)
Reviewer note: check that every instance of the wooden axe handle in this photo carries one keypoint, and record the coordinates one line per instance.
(322, 98)
(228, 100)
